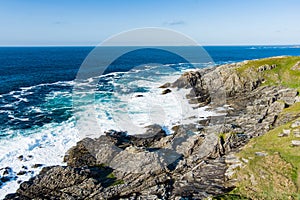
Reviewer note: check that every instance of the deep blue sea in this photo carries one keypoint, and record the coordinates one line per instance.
(36, 99)
(51, 68)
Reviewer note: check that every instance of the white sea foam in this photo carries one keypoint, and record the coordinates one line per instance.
(45, 145)
(48, 144)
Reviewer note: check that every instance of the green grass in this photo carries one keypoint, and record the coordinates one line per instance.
(115, 180)
(281, 75)
(111, 175)
(275, 176)
(292, 110)
(229, 197)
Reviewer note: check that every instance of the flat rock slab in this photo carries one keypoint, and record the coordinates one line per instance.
(296, 124)
(285, 132)
(261, 154)
(296, 142)
(296, 132)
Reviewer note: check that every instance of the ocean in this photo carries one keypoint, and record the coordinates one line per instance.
(37, 119)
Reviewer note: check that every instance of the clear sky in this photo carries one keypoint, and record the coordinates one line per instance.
(209, 22)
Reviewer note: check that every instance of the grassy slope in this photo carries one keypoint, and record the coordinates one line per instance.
(277, 175)
(281, 75)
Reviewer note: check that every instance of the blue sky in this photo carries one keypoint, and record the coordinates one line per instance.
(209, 22)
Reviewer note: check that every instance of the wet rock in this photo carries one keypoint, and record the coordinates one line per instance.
(5, 179)
(166, 85)
(37, 165)
(6, 174)
(24, 167)
(6, 171)
(21, 158)
(20, 173)
(166, 91)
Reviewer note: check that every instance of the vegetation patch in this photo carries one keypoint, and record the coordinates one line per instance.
(283, 74)
(273, 176)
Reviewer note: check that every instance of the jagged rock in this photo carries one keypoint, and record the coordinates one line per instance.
(166, 85)
(288, 95)
(80, 155)
(59, 182)
(153, 133)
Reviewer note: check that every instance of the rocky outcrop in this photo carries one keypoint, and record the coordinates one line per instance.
(191, 163)
(266, 67)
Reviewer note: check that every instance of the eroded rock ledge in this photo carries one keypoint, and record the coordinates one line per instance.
(190, 163)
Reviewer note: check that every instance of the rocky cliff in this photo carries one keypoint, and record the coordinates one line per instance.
(194, 162)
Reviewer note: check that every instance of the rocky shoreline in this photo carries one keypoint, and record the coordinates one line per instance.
(195, 162)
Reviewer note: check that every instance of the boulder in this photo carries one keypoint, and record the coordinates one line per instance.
(295, 142)
(296, 133)
(285, 133)
(261, 154)
(296, 124)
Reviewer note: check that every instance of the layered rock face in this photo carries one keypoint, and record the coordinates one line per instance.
(190, 163)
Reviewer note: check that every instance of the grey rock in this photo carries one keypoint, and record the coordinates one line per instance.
(261, 154)
(296, 133)
(266, 67)
(295, 142)
(296, 124)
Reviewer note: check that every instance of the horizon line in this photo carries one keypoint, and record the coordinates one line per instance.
(207, 45)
